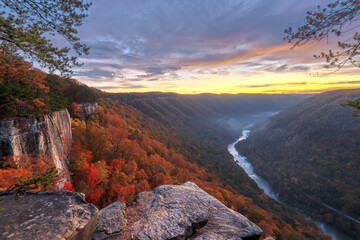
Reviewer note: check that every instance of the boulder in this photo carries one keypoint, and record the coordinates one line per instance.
(110, 222)
(57, 215)
(177, 212)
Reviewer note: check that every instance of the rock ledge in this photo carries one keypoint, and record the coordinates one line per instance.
(58, 215)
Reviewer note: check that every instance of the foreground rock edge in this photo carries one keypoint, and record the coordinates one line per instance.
(168, 212)
(50, 215)
(178, 211)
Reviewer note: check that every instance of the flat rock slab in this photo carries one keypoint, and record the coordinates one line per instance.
(110, 222)
(58, 215)
(176, 212)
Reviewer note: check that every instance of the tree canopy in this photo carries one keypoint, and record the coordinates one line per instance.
(336, 18)
(31, 26)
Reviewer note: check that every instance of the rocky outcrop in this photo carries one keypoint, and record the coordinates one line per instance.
(88, 109)
(61, 215)
(49, 135)
(111, 221)
(178, 212)
(168, 212)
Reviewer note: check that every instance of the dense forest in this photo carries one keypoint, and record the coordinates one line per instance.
(310, 155)
(123, 149)
(114, 157)
(25, 90)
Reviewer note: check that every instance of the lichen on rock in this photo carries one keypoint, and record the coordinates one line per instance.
(177, 212)
(44, 216)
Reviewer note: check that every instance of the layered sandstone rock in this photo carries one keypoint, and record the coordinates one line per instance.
(31, 136)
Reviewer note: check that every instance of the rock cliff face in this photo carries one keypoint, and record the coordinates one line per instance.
(49, 135)
(168, 212)
(88, 109)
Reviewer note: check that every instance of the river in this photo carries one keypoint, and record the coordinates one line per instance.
(264, 185)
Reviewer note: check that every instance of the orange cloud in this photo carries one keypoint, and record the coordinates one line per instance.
(260, 51)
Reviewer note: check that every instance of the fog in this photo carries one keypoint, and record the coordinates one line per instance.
(234, 125)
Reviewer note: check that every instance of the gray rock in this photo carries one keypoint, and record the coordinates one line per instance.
(175, 212)
(58, 215)
(49, 135)
(88, 109)
(209, 236)
(269, 238)
(110, 221)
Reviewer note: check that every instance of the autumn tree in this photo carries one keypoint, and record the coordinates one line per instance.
(30, 26)
(74, 110)
(336, 19)
(22, 87)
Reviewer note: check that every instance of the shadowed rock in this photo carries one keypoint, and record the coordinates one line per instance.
(49, 135)
(110, 222)
(87, 109)
(59, 215)
(176, 212)
(209, 236)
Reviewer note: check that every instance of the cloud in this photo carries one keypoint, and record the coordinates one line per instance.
(131, 86)
(300, 68)
(284, 68)
(94, 73)
(272, 85)
(213, 71)
(108, 87)
(149, 41)
(343, 82)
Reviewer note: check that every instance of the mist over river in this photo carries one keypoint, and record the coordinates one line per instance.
(264, 185)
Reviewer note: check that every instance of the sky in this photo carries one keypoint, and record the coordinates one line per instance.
(197, 46)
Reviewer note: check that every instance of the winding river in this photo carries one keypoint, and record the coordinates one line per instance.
(264, 185)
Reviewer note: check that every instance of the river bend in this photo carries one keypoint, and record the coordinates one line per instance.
(264, 185)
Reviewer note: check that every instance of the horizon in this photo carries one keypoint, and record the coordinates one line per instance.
(191, 47)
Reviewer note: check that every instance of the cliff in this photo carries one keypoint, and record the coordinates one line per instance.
(168, 212)
(49, 135)
(88, 109)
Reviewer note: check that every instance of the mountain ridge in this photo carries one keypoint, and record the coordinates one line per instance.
(312, 149)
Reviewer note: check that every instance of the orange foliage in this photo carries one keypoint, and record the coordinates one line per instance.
(128, 161)
(12, 176)
(74, 110)
(68, 187)
(14, 70)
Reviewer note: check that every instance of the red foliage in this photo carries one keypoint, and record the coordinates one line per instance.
(116, 164)
(14, 70)
(74, 110)
(12, 176)
(68, 187)
(128, 161)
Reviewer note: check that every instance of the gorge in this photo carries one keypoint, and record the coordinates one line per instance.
(264, 185)
(141, 141)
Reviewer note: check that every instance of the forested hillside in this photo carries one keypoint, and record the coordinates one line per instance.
(120, 152)
(230, 112)
(25, 90)
(310, 155)
(197, 126)
(124, 149)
